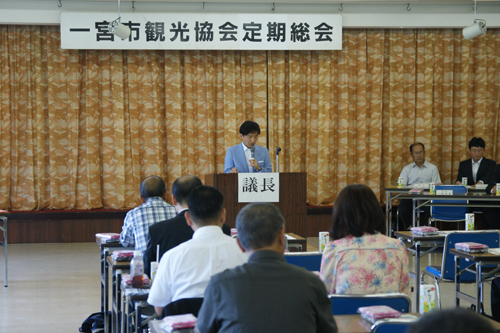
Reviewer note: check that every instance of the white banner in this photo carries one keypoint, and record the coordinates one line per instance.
(259, 187)
(174, 31)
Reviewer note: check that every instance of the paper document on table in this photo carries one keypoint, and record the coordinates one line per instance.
(495, 251)
(289, 237)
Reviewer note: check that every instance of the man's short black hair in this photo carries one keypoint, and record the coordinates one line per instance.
(416, 144)
(249, 127)
(152, 186)
(457, 320)
(477, 142)
(258, 225)
(183, 186)
(205, 204)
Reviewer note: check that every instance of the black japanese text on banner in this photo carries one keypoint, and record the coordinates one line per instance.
(174, 31)
(259, 187)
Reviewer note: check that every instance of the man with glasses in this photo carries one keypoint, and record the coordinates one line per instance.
(420, 171)
(477, 169)
(247, 156)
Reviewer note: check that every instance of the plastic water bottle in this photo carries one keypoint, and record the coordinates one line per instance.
(137, 270)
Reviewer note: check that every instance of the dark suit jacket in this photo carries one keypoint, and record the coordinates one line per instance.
(495, 179)
(484, 173)
(168, 234)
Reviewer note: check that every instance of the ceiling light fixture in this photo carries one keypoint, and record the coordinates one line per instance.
(117, 28)
(478, 28)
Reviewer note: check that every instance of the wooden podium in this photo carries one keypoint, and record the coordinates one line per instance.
(292, 198)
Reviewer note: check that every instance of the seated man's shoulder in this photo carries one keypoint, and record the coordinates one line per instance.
(430, 164)
(300, 272)
(237, 272)
(170, 223)
(135, 210)
(488, 161)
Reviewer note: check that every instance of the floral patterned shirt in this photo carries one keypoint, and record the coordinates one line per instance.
(369, 264)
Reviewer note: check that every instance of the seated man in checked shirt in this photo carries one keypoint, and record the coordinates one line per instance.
(153, 209)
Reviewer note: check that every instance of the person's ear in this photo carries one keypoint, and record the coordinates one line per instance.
(174, 202)
(281, 238)
(241, 136)
(223, 216)
(188, 218)
(241, 246)
(142, 199)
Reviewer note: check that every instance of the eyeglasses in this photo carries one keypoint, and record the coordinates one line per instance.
(419, 152)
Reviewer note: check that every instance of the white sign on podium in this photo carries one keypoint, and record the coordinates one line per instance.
(259, 187)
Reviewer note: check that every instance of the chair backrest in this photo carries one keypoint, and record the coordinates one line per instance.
(183, 306)
(488, 237)
(309, 260)
(393, 325)
(349, 304)
(450, 213)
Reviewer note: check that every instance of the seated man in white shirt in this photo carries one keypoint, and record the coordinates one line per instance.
(420, 171)
(185, 270)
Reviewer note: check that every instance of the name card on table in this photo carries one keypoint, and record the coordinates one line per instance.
(444, 192)
(259, 187)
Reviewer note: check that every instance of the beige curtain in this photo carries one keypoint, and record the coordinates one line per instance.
(349, 116)
(80, 129)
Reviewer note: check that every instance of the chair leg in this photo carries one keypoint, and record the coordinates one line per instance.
(397, 220)
(438, 294)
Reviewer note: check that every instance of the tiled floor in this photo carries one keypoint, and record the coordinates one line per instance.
(54, 287)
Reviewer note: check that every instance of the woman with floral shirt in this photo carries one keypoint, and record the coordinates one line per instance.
(360, 259)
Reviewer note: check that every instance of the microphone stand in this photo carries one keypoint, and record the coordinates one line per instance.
(278, 149)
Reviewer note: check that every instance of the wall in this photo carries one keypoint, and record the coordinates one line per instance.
(353, 15)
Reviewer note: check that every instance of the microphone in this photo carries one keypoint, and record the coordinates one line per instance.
(278, 149)
(252, 150)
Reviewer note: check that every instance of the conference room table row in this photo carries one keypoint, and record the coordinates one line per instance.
(345, 324)
(111, 270)
(477, 263)
(474, 198)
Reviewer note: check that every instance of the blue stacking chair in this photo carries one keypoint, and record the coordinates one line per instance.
(446, 272)
(348, 304)
(309, 260)
(449, 214)
(393, 325)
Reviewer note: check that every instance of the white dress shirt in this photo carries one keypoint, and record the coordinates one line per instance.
(427, 173)
(248, 155)
(185, 270)
(475, 167)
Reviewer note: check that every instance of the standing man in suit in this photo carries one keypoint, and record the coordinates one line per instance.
(477, 169)
(247, 156)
